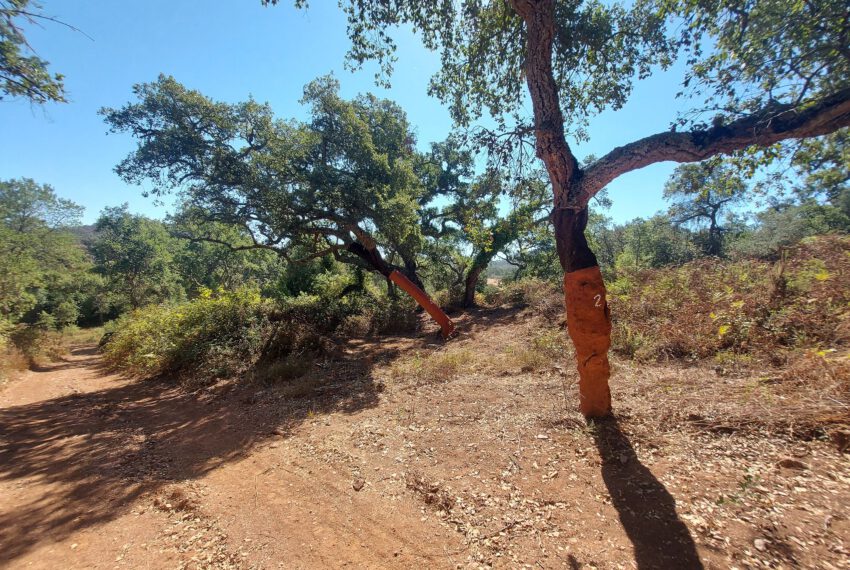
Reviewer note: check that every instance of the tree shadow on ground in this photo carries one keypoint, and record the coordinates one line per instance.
(646, 509)
(92, 454)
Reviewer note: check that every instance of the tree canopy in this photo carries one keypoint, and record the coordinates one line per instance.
(37, 252)
(758, 71)
(701, 194)
(338, 183)
(135, 254)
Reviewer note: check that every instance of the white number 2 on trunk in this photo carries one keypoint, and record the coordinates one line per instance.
(598, 299)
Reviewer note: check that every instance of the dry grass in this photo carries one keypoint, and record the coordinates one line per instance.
(743, 312)
(523, 358)
(298, 387)
(73, 336)
(434, 367)
(39, 347)
(541, 347)
(12, 362)
(542, 297)
(808, 399)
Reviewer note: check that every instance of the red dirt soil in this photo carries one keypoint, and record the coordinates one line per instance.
(357, 465)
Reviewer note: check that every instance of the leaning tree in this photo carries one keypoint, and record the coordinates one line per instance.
(343, 183)
(759, 72)
(470, 219)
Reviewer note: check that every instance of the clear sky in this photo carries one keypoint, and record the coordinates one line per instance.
(228, 50)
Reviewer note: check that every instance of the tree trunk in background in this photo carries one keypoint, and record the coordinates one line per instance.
(471, 283)
(373, 257)
(502, 235)
(411, 271)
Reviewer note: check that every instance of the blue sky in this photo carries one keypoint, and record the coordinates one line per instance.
(228, 50)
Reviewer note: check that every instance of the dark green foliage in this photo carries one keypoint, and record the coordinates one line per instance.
(824, 166)
(210, 337)
(785, 224)
(22, 73)
(765, 51)
(136, 256)
(43, 267)
(344, 176)
(214, 255)
(653, 243)
(701, 195)
(223, 334)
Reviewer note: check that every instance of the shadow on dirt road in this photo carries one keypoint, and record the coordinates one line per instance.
(81, 459)
(646, 509)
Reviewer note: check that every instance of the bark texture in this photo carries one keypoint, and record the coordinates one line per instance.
(551, 145)
(574, 252)
(770, 125)
(573, 187)
(471, 283)
(589, 325)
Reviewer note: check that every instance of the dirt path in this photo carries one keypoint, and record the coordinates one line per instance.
(356, 465)
(101, 472)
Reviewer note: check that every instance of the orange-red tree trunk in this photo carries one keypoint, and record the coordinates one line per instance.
(447, 327)
(368, 252)
(588, 317)
(588, 320)
(589, 325)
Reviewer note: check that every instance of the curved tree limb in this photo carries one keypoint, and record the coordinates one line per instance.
(772, 124)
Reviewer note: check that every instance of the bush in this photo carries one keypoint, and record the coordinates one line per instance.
(541, 296)
(215, 335)
(12, 360)
(38, 344)
(224, 334)
(711, 307)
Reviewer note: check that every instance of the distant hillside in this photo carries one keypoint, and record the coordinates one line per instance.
(500, 269)
(84, 233)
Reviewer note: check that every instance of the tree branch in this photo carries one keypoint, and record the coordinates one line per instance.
(772, 124)
(327, 251)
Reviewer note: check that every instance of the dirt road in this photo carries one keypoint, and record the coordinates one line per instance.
(355, 466)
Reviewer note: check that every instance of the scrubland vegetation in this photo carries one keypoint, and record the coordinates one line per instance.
(197, 311)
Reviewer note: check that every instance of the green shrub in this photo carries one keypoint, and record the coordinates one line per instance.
(225, 334)
(394, 316)
(38, 344)
(215, 335)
